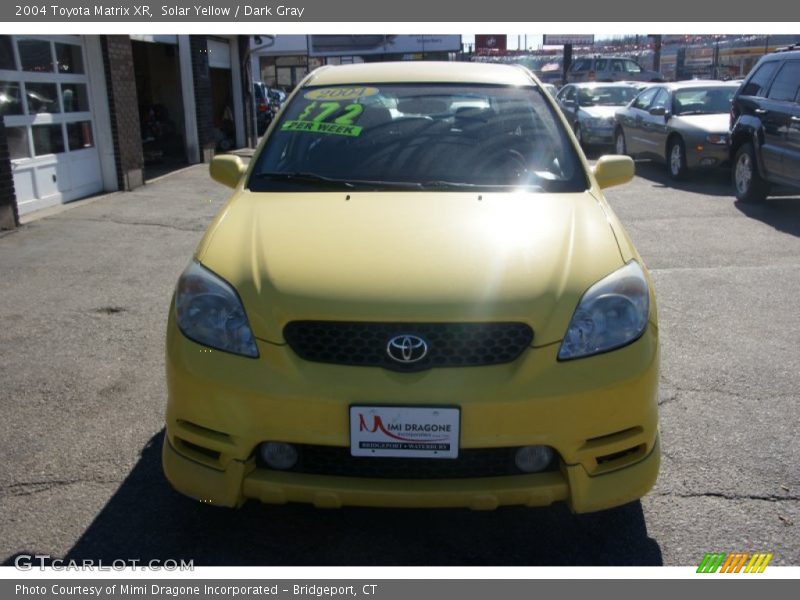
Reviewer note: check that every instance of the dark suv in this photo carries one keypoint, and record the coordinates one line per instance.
(765, 127)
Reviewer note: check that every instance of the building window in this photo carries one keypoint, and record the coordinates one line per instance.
(69, 58)
(6, 54)
(79, 135)
(35, 55)
(10, 101)
(17, 138)
(42, 98)
(47, 139)
(74, 97)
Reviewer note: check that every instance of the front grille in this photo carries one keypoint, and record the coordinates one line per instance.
(337, 461)
(448, 344)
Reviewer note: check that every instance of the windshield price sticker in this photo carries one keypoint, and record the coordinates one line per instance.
(403, 431)
(314, 119)
(341, 93)
(332, 128)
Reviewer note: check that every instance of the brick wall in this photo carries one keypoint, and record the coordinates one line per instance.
(202, 96)
(124, 108)
(9, 217)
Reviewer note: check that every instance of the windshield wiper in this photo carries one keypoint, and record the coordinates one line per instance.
(308, 177)
(304, 176)
(451, 185)
(462, 185)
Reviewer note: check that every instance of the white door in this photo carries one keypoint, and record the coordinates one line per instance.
(45, 103)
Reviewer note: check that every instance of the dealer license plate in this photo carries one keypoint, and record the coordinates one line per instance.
(404, 431)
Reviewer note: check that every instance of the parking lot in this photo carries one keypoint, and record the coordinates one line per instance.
(83, 308)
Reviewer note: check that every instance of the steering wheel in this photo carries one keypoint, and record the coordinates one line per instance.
(510, 164)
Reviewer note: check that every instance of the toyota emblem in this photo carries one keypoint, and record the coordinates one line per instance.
(407, 348)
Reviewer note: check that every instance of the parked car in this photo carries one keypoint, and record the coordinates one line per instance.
(765, 127)
(550, 89)
(265, 109)
(590, 107)
(431, 305)
(609, 68)
(683, 124)
(277, 95)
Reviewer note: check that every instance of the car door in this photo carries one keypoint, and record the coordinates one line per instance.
(791, 160)
(617, 70)
(602, 69)
(782, 121)
(633, 124)
(654, 124)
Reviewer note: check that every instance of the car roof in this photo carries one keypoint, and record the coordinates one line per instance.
(607, 56)
(782, 53)
(422, 72)
(690, 83)
(593, 84)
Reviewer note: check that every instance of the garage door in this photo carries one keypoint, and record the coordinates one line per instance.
(45, 104)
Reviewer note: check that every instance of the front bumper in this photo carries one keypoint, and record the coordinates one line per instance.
(242, 480)
(598, 413)
(703, 155)
(598, 135)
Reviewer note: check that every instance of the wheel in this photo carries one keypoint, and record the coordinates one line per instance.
(676, 159)
(747, 181)
(620, 147)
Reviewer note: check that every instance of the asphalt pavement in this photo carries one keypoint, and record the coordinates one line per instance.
(83, 306)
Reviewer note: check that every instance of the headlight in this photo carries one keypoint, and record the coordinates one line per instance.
(209, 312)
(612, 313)
(719, 139)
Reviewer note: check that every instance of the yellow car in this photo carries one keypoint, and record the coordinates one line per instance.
(417, 296)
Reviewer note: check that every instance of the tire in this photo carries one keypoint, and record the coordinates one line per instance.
(676, 159)
(748, 184)
(620, 147)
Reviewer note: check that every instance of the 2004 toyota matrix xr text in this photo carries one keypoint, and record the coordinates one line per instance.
(416, 297)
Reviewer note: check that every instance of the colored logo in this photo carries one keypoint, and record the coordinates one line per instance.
(735, 562)
(377, 425)
(407, 348)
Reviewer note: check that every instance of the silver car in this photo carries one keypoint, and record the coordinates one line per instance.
(683, 124)
(590, 108)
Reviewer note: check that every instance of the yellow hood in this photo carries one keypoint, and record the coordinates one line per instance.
(411, 256)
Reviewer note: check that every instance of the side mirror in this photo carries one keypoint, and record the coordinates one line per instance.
(612, 170)
(227, 169)
(658, 111)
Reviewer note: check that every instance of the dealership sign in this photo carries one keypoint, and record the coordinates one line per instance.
(485, 43)
(362, 45)
(564, 40)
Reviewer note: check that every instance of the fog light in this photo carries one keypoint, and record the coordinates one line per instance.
(278, 455)
(532, 459)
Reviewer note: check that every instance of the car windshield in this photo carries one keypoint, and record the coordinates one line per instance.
(703, 100)
(606, 95)
(417, 137)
